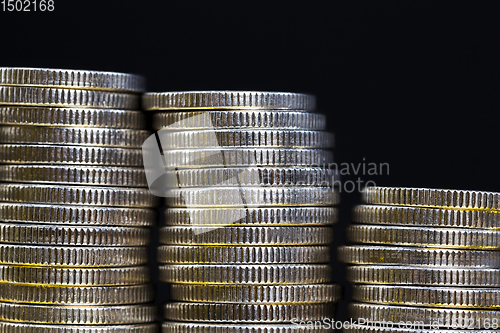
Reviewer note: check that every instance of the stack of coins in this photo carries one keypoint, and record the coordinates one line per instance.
(74, 203)
(249, 214)
(429, 260)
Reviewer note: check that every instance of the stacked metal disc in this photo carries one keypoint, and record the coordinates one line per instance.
(249, 212)
(75, 207)
(427, 258)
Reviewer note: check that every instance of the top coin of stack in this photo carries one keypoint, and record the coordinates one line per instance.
(75, 206)
(250, 210)
(429, 256)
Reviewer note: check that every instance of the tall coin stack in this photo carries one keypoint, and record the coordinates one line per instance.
(74, 207)
(427, 259)
(249, 214)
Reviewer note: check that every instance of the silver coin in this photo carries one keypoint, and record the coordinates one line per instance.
(70, 78)
(57, 97)
(238, 119)
(271, 216)
(428, 276)
(86, 136)
(77, 195)
(74, 175)
(251, 138)
(39, 234)
(254, 236)
(225, 99)
(425, 237)
(65, 117)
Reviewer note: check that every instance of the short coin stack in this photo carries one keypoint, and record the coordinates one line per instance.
(429, 259)
(248, 224)
(74, 213)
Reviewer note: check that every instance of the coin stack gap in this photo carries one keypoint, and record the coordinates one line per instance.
(75, 209)
(425, 260)
(249, 211)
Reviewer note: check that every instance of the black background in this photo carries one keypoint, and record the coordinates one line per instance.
(409, 83)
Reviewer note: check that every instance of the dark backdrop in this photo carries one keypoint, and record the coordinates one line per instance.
(409, 83)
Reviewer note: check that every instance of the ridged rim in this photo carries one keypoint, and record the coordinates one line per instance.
(77, 195)
(76, 175)
(479, 277)
(71, 78)
(427, 197)
(84, 117)
(76, 215)
(450, 318)
(313, 293)
(67, 256)
(289, 216)
(210, 119)
(253, 197)
(226, 99)
(108, 295)
(247, 274)
(242, 254)
(46, 154)
(425, 237)
(81, 315)
(194, 158)
(187, 235)
(85, 136)
(254, 176)
(271, 313)
(178, 327)
(385, 255)
(56, 97)
(51, 276)
(430, 217)
(449, 297)
(44, 328)
(251, 138)
(75, 236)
